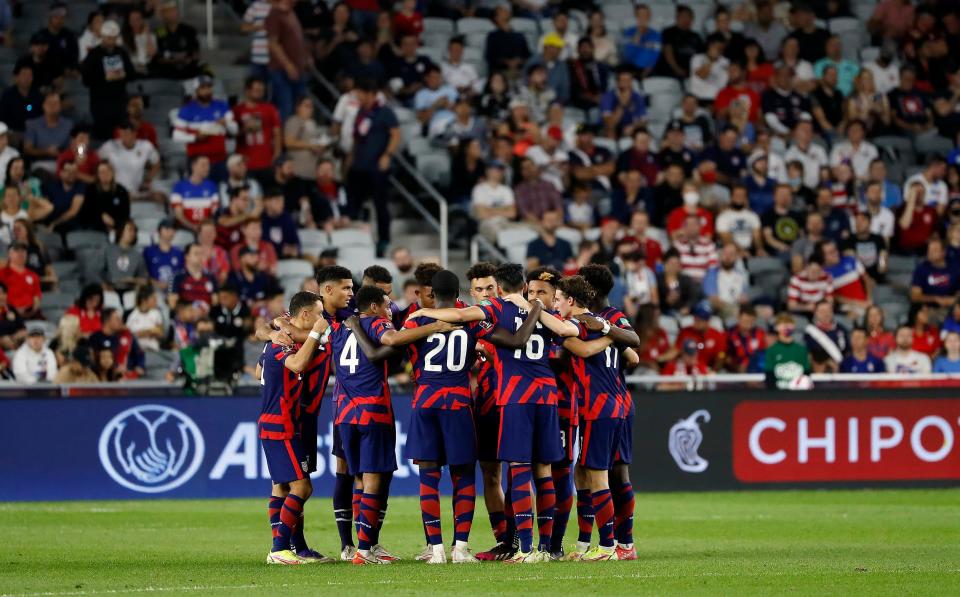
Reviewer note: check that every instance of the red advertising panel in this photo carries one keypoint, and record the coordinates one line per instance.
(846, 440)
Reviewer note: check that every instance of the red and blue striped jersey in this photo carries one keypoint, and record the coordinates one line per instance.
(441, 364)
(601, 390)
(616, 317)
(524, 374)
(488, 379)
(567, 400)
(280, 389)
(363, 395)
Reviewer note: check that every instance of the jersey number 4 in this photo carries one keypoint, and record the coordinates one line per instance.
(456, 343)
(348, 358)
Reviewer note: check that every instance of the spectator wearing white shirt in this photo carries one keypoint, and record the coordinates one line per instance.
(458, 74)
(345, 115)
(881, 217)
(145, 322)
(885, 71)
(492, 203)
(136, 162)
(708, 71)
(855, 151)
(935, 190)
(739, 225)
(238, 177)
(804, 150)
(903, 358)
(561, 27)
(725, 285)
(33, 362)
(7, 153)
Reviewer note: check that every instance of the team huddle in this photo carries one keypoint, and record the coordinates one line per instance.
(547, 356)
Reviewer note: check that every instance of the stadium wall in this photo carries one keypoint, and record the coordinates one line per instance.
(188, 447)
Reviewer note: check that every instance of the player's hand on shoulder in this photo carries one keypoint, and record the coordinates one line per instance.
(518, 300)
(281, 338)
(442, 326)
(351, 322)
(594, 324)
(415, 314)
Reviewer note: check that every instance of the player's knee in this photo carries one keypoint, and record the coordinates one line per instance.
(490, 471)
(302, 488)
(341, 466)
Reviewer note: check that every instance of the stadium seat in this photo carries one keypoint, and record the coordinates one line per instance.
(350, 237)
(288, 268)
(56, 300)
(435, 167)
(477, 40)
(182, 238)
(312, 241)
(515, 235)
(65, 269)
(469, 25)
(898, 264)
(419, 146)
(439, 25)
(146, 208)
(657, 85)
(433, 53)
(844, 24)
(52, 242)
(79, 239)
(356, 259)
(758, 265)
(621, 13)
(571, 235)
(869, 54)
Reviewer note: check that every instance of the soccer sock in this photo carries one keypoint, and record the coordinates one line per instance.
(508, 509)
(342, 511)
(562, 482)
(273, 509)
(289, 517)
(430, 504)
(546, 504)
(384, 497)
(464, 500)
(367, 531)
(603, 510)
(297, 540)
(584, 515)
(355, 502)
(623, 503)
(498, 522)
(522, 498)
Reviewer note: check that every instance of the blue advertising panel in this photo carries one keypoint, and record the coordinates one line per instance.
(123, 448)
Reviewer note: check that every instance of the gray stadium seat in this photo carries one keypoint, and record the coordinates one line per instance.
(469, 25)
(79, 239)
(439, 25)
(288, 268)
(56, 300)
(760, 265)
(523, 25)
(435, 167)
(350, 237)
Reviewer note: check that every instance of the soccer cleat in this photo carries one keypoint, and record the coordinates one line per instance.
(463, 555)
(284, 557)
(438, 555)
(574, 556)
(626, 553)
(557, 556)
(311, 556)
(528, 557)
(500, 551)
(361, 559)
(600, 554)
(346, 555)
(382, 554)
(425, 554)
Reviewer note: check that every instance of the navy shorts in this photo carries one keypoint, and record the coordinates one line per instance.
(624, 453)
(568, 437)
(487, 428)
(529, 433)
(442, 435)
(599, 440)
(308, 439)
(369, 448)
(285, 459)
(337, 448)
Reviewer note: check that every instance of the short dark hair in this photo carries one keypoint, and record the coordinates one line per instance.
(332, 273)
(509, 276)
(481, 269)
(368, 296)
(599, 277)
(302, 300)
(368, 85)
(425, 272)
(549, 275)
(253, 80)
(378, 274)
(21, 66)
(109, 312)
(577, 288)
(144, 293)
(445, 284)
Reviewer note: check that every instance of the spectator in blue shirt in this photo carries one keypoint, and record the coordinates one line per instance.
(642, 47)
(279, 228)
(623, 108)
(933, 283)
(949, 362)
(892, 196)
(759, 185)
(548, 250)
(434, 102)
(860, 360)
(253, 285)
(164, 261)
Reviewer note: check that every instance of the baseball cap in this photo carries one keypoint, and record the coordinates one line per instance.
(166, 223)
(204, 81)
(4, 128)
(675, 125)
(702, 311)
(553, 39)
(57, 9)
(496, 164)
(234, 159)
(755, 157)
(110, 29)
(517, 103)
(36, 330)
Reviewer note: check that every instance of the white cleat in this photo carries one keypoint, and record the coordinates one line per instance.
(438, 555)
(382, 554)
(347, 554)
(425, 554)
(463, 555)
(284, 558)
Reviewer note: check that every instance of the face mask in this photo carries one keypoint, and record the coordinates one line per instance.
(737, 206)
(709, 177)
(691, 198)
(787, 331)
(795, 182)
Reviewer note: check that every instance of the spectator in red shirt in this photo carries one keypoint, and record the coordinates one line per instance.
(82, 154)
(744, 340)
(926, 337)
(637, 235)
(737, 90)
(87, 309)
(690, 207)
(144, 129)
(407, 21)
(253, 237)
(259, 139)
(711, 343)
(690, 363)
(230, 220)
(655, 348)
(917, 221)
(192, 285)
(880, 341)
(23, 285)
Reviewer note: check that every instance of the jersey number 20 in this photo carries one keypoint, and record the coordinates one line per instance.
(456, 351)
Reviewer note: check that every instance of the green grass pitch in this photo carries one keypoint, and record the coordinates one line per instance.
(801, 542)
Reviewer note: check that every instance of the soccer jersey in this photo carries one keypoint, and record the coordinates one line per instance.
(847, 281)
(600, 390)
(280, 390)
(563, 371)
(193, 289)
(617, 318)
(363, 395)
(441, 364)
(488, 379)
(524, 374)
(198, 201)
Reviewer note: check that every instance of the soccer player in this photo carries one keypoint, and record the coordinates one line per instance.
(364, 414)
(424, 277)
(280, 437)
(623, 335)
(602, 409)
(527, 394)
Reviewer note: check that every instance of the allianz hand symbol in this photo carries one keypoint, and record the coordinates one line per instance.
(151, 464)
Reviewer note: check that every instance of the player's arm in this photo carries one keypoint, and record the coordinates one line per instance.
(632, 358)
(411, 335)
(299, 361)
(620, 336)
(587, 348)
(452, 314)
(373, 352)
(507, 339)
